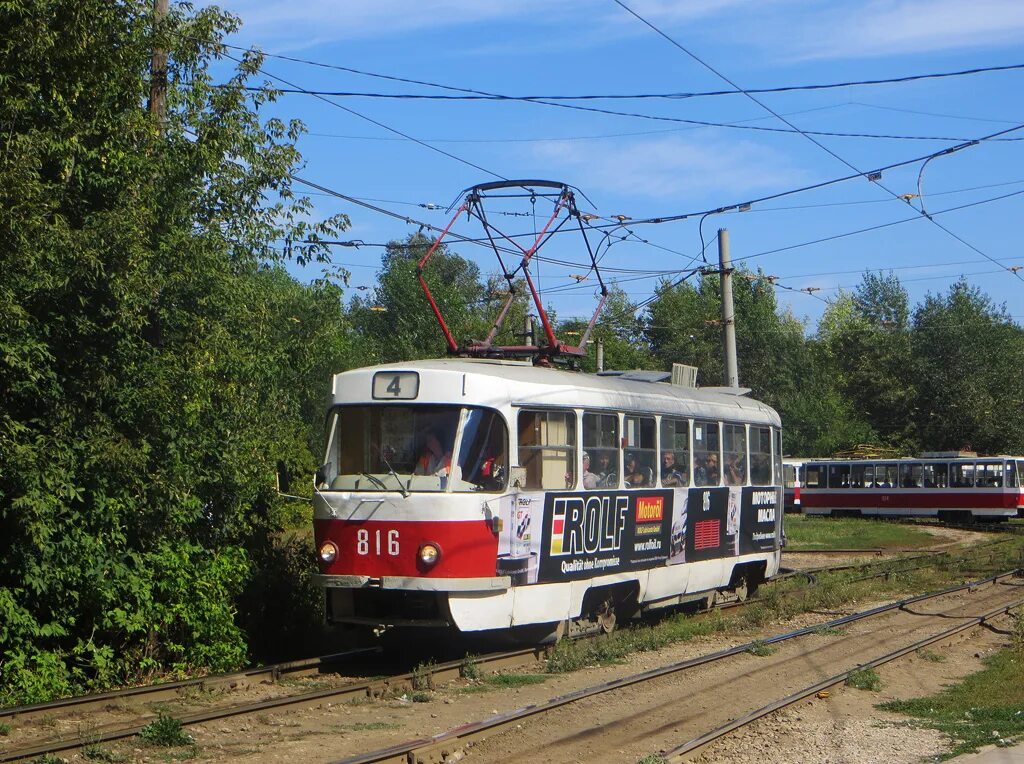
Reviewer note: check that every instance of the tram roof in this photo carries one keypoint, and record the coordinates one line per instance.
(500, 383)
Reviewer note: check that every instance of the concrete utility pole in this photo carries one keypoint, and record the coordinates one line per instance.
(600, 355)
(158, 68)
(732, 377)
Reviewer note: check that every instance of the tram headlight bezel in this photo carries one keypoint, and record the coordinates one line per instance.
(328, 552)
(429, 554)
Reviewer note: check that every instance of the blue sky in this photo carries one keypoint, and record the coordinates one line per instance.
(642, 167)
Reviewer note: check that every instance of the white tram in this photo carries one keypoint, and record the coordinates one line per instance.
(953, 486)
(607, 498)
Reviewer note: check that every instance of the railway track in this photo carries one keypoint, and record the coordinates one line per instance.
(390, 686)
(561, 737)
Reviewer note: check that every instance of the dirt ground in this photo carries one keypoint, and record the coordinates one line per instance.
(842, 728)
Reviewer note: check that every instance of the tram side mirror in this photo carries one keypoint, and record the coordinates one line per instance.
(321, 475)
(283, 478)
(517, 477)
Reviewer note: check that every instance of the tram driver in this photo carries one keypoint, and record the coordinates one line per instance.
(435, 459)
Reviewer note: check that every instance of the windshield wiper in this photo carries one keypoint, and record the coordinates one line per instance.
(391, 470)
(375, 480)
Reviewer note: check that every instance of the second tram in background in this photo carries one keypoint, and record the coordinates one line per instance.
(952, 486)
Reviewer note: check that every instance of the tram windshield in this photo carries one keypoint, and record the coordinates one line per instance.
(412, 449)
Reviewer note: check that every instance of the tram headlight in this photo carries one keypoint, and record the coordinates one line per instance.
(328, 552)
(429, 554)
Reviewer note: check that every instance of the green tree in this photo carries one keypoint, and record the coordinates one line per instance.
(156, 366)
(618, 329)
(867, 338)
(396, 321)
(968, 360)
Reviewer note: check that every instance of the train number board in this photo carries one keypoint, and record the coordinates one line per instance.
(396, 385)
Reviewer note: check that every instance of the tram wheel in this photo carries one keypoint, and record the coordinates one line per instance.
(605, 616)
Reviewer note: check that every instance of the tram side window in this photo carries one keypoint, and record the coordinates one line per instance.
(911, 475)
(1013, 474)
(857, 475)
(761, 456)
(839, 476)
(777, 461)
(705, 453)
(812, 476)
(675, 452)
(638, 461)
(887, 475)
(961, 475)
(939, 476)
(601, 446)
(547, 449)
(735, 442)
(789, 475)
(989, 475)
(483, 455)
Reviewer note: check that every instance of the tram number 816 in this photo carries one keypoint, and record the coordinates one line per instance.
(382, 542)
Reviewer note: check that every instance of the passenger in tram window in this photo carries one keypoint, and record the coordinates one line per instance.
(734, 470)
(637, 476)
(434, 459)
(707, 473)
(672, 473)
(605, 470)
(590, 479)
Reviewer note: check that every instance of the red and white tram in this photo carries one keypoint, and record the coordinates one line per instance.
(607, 498)
(953, 486)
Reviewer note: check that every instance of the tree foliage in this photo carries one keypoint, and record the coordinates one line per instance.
(156, 363)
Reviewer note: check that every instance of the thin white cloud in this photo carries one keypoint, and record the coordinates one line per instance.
(673, 168)
(290, 25)
(899, 27)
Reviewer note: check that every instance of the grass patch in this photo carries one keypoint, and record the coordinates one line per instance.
(423, 676)
(470, 668)
(927, 655)
(504, 682)
(986, 708)
(5, 729)
(371, 726)
(99, 753)
(762, 649)
(864, 679)
(421, 697)
(652, 758)
(48, 758)
(808, 533)
(165, 731)
(829, 631)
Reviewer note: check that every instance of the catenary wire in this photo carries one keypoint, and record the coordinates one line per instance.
(809, 137)
(384, 126)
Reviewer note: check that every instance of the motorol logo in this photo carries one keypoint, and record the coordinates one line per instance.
(587, 525)
(650, 509)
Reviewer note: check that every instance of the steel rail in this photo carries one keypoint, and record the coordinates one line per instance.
(374, 688)
(444, 745)
(694, 746)
(164, 690)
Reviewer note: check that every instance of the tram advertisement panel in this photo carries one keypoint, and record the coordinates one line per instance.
(759, 510)
(707, 519)
(724, 522)
(593, 533)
